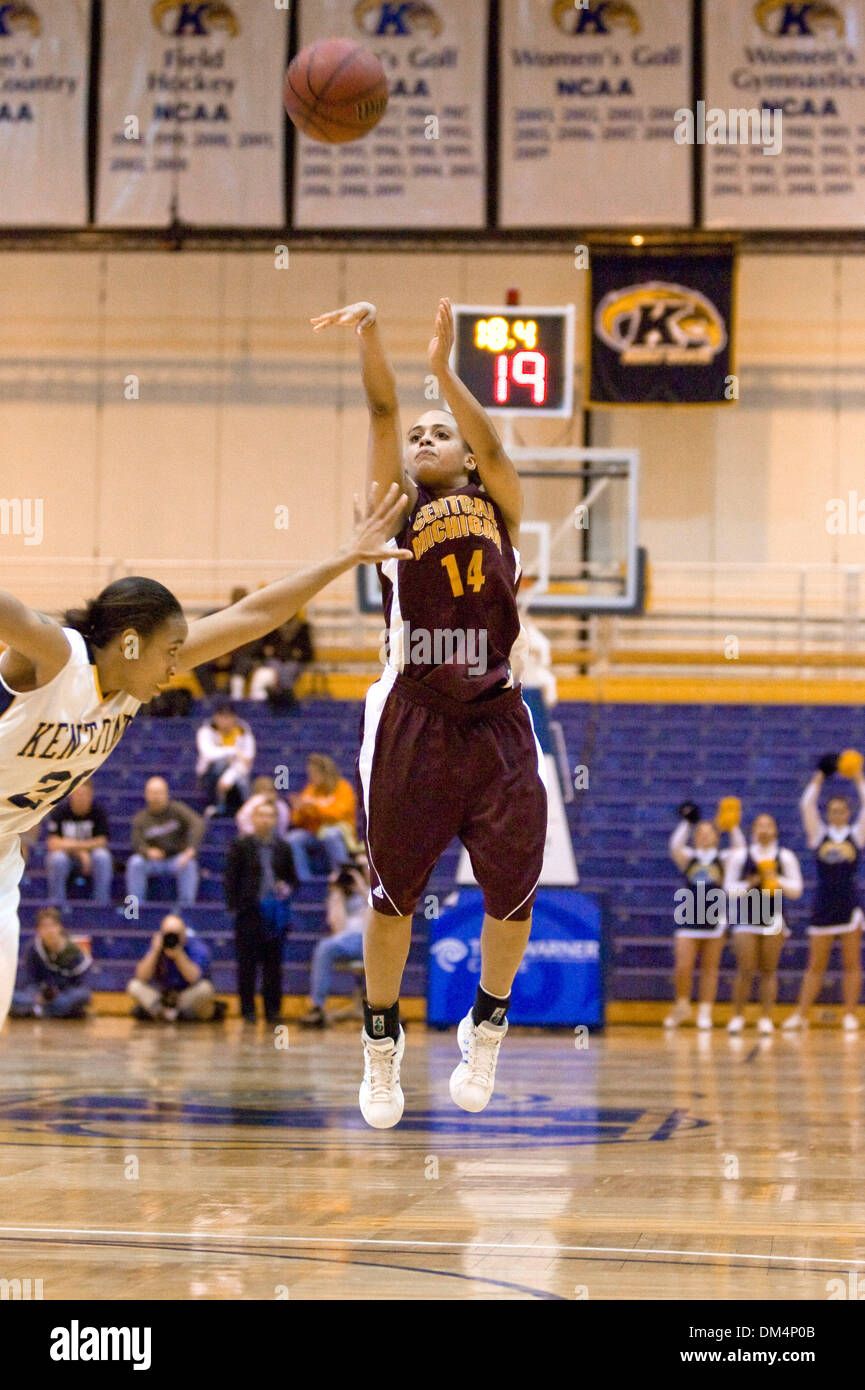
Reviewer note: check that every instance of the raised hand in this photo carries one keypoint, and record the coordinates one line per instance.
(441, 343)
(377, 523)
(359, 316)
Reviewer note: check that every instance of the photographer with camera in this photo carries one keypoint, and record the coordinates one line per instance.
(347, 900)
(171, 981)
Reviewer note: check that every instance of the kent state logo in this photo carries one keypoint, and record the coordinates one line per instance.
(396, 19)
(194, 19)
(17, 16)
(658, 323)
(783, 19)
(598, 18)
(298, 1120)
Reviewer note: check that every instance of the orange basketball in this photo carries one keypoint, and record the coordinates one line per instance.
(335, 91)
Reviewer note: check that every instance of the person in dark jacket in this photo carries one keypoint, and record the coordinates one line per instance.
(55, 973)
(259, 877)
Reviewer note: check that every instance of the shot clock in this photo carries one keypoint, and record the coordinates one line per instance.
(515, 360)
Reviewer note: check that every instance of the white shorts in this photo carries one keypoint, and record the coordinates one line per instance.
(11, 870)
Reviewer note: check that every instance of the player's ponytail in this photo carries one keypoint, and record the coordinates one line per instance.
(132, 602)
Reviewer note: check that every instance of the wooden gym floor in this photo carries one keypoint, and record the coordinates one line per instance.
(205, 1162)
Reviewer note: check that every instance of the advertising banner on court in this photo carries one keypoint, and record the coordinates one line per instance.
(560, 980)
(424, 165)
(191, 119)
(589, 95)
(661, 328)
(782, 134)
(44, 63)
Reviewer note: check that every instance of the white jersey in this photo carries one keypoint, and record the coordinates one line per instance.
(53, 738)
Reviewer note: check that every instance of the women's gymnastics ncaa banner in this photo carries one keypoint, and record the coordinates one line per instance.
(424, 164)
(796, 71)
(191, 117)
(661, 328)
(44, 60)
(589, 95)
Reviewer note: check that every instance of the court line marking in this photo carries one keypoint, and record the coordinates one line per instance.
(424, 1244)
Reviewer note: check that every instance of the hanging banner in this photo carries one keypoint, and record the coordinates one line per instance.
(424, 164)
(191, 118)
(589, 95)
(783, 126)
(44, 61)
(661, 329)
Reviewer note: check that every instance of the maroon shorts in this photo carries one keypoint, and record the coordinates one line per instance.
(431, 769)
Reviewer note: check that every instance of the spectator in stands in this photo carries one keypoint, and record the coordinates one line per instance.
(262, 790)
(55, 973)
(226, 752)
(172, 980)
(323, 812)
(283, 655)
(259, 877)
(77, 843)
(230, 672)
(347, 897)
(165, 838)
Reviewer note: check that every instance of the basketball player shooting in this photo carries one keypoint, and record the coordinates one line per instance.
(447, 743)
(68, 692)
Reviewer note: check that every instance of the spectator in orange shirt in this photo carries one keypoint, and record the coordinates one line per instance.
(324, 812)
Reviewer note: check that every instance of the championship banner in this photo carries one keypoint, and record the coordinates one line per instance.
(191, 119)
(44, 60)
(589, 94)
(424, 164)
(783, 130)
(661, 329)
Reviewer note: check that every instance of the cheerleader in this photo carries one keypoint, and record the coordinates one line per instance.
(836, 913)
(702, 862)
(774, 872)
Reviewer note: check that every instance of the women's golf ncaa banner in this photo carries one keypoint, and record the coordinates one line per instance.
(661, 329)
(424, 164)
(589, 95)
(191, 116)
(783, 130)
(44, 60)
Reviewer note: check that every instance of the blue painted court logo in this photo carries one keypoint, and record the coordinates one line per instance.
(297, 1119)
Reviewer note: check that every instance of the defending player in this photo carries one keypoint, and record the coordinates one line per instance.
(69, 691)
(448, 747)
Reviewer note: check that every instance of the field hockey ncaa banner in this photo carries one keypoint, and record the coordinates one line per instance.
(796, 72)
(661, 329)
(191, 113)
(424, 164)
(44, 60)
(589, 94)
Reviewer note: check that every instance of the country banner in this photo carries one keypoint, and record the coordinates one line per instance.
(783, 143)
(661, 328)
(191, 121)
(44, 62)
(589, 94)
(424, 165)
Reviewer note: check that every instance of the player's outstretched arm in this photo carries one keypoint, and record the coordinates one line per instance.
(385, 451)
(496, 470)
(35, 641)
(270, 607)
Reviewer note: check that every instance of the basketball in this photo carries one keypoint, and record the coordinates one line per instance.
(335, 91)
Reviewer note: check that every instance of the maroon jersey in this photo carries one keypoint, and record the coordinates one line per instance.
(451, 612)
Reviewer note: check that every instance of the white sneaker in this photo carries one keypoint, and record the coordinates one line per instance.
(680, 1013)
(736, 1024)
(471, 1084)
(380, 1096)
(850, 1023)
(794, 1023)
(765, 1026)
(704, 1018)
